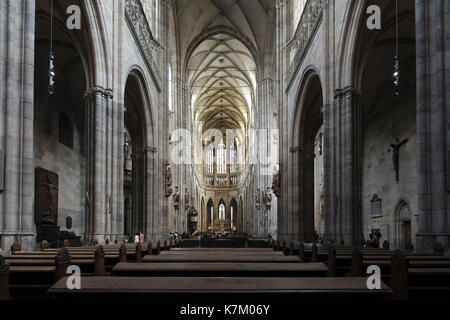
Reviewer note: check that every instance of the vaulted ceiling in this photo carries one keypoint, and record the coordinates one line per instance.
(221, 72)
(249, 17)
(221, 77)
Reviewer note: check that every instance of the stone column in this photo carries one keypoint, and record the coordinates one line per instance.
(283, 25)
(433, 110)
(344, 204)
(294, 193)
(97, 141)
(17, 30)
(150, 185)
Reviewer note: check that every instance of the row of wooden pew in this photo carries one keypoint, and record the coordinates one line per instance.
(238, 242)
(202, 273)
(29, 275)
(410, 275)
(288, 268)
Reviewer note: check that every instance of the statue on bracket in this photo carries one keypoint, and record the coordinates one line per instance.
(276, 183)
(169, 181)
(268, 198)
(176, 199)
(186, 199)
(257, 199)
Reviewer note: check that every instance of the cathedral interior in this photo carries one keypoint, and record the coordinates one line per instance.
(283, 121)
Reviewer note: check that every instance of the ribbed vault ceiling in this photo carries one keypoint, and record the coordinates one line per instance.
(221, 77)
(221, 72)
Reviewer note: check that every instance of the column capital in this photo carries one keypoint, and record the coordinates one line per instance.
(98, 90)
(279, 3)
(152, 150)
(295, 149)
(345, 92)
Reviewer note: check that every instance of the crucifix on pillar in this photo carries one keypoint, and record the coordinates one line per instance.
(395, 149)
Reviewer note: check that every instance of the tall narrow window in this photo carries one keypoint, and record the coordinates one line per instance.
(233, 158)
(212, 216)
(232, 217)
(221, 158)
(221, 211)
(209, 159)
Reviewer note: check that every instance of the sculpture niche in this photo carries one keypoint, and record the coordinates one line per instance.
(169, 181)
(192, 220)
(276, 184)
(268, 198)
(176, 199)
(257, 199)
(186, 199)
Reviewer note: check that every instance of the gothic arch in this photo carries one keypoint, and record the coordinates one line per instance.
(60, 121)
(210, 214)
(100, 54)
(402, 225)
(310, 74)
(136, 74)
(308, 120)
(234, 218)
(140, 187)
(372, 97)
(221, 202)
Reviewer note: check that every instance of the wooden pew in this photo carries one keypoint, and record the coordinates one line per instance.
(219, 257)
(428, 282)
(114, 249)
(226, 269)
(214, 243)
(131, 288)
(32, 281)
(4, 280)
(86, 260)
(258, 243)
(138, 253)
(230, 253)
(267, 250)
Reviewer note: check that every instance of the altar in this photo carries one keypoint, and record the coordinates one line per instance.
(222, 225)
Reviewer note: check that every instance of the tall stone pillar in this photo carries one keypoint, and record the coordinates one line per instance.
(294, 204)
(282, 35)
(149, 201)
(433, 118)
(346, 205)
(98, 131)
(17, 30)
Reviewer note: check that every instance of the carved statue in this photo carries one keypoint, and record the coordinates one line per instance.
(257, 199)
(169, 181)
(276, 183)
(268, 198)
(176, 199)
(46, 198)
(186, 199)
(395, 149)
